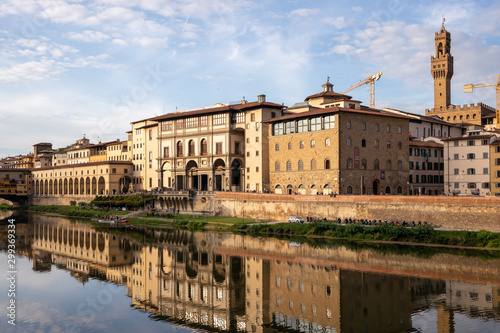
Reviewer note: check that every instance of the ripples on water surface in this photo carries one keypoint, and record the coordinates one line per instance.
(72, 278)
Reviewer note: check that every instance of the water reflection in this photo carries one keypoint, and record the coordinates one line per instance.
(237, 283)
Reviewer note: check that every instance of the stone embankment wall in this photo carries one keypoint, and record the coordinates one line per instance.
(58, 200)
(457, 213)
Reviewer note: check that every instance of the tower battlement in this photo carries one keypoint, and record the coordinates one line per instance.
(459, 108)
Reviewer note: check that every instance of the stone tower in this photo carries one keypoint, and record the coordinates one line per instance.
(442, 70)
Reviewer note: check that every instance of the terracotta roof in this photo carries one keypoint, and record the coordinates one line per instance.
(330, 94)
(491, 115)
(470, 137)
(425, 144)
(235, 107)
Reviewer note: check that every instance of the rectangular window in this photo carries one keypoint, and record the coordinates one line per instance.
(411, 165)
(485, 171)
(471, 171)
(301, 125)
(411, 151)
(471, 156)
(278, 129)
(192, 122)
(150, 156)
(471, 143)
(486, 185)
(237, 148)
(485, 155)
(240, 117)
(150, 134)
(219, 119)
(203, 121)
(484, 142)
(497, 161)
(218, 148)
(315, 124)
(329, 122)
(456, 185)
(256, 139)
(179, 124)
(455, 143)
(417, 152)
(289, 127)
(455, 171)
(471, 185)
(166, 151)
(257, 169)
(257, 153)
(455, 156)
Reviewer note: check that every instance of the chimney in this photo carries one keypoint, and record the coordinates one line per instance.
(261, 98)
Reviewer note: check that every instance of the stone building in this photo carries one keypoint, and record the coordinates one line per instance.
(426, 167)
(332, 144)
(468, 169)
(219, 148)
(495, 167)
(89, 179)
(442, 72)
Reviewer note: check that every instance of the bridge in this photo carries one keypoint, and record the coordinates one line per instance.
(14, 185)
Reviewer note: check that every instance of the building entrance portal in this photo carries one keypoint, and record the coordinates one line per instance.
(376, 186)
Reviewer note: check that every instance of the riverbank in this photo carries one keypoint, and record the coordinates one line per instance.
(423, 234)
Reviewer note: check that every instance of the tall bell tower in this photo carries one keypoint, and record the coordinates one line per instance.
(442, 69)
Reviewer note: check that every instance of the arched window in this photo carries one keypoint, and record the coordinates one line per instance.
(313, 164)
(349, 163)
(191, 148)
(179, 149)
(377, 127)
(349, 189)
(301, 144)
(376, 143)
(363, 164)
(313, 143)
(448, 119)
(388, 144)
(363, 143)
(454, 117)
(327, 142)
(363, 126)
(289, 146)
(467, 117)
(348, 125)
(400, 189)
(461, 117)
(376, 165)
(388, 128)
(348, 142)
(400, 130)
(388, 190)
(473, 117)
(327, 164)
(388, 165)
(400, 145)
(277, 166)
(301, 165)
(277, 147)
(203, 146)
(288, 166)
(400, 165)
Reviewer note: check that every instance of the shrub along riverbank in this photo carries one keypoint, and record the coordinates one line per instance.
(419, 234)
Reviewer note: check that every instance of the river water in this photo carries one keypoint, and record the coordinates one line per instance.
(70, 277)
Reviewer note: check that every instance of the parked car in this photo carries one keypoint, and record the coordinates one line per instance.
(295, 219)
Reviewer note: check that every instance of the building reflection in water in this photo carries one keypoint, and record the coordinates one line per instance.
(236, 283)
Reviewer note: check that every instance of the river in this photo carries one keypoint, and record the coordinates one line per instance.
(69, 277)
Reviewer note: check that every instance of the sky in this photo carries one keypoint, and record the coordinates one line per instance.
(70, 68)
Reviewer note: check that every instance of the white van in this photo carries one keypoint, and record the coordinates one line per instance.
(295, 219)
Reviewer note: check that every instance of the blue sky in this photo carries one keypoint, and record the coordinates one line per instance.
(71, 67)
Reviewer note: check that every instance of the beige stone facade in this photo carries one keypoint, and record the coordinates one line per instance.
(89, 179)
(426, 167)
(468, 169)
(220, 148)
(495, 166)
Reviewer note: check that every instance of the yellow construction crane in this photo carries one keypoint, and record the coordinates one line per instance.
(469, 87)
(371, 88)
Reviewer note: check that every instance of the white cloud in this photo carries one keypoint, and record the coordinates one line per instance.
(357, 9)
(88, 36)
(338, 22)
(305, 12)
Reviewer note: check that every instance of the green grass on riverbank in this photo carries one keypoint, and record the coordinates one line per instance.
(418, 234)
(74, 211)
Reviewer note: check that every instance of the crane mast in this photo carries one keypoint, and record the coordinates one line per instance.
(370, 80)
(468, 88)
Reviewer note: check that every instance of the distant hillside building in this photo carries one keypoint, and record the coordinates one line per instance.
(442, 72)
